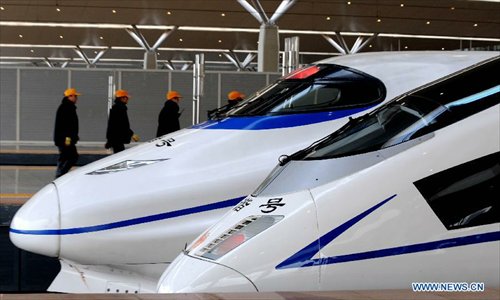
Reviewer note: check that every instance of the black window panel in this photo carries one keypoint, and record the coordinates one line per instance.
(414, 115)
(470, 82)
(473, 82)
(331, 88)
(465, 195)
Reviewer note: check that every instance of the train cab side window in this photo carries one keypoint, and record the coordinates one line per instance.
(330, 88)
(314, 97)
(465, 195)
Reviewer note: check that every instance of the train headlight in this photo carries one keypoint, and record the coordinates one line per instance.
(124, 166)
(237, 235)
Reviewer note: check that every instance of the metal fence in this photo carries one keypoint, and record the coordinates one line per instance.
(29, 98)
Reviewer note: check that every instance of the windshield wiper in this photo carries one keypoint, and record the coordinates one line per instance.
(284, 159)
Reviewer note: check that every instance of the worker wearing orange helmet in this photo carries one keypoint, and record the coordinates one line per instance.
(233, 98)
(168, 120)
(119, 133)
(66, 132)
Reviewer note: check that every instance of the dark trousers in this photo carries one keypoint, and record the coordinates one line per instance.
(117, 147)
(67, 159)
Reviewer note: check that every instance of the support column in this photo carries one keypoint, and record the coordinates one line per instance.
(269, 45)
(291, 56)
(268, 58)
(150, 60)
(198, 81)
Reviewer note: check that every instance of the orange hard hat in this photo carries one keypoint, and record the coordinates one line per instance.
(173, 94)
(121, 93)
(71, 92)
(233, 95)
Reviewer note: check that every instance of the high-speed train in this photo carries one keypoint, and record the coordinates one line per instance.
(407, 193)
(117, 223)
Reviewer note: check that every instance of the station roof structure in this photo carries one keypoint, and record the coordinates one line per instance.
(60, 33)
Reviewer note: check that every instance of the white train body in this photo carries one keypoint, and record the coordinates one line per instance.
(406, 194)
(116, 223)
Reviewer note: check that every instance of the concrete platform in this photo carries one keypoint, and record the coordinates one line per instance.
(489, 294)
(47, 156)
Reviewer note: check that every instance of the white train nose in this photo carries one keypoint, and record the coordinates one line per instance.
(36, 225)
(190, 275)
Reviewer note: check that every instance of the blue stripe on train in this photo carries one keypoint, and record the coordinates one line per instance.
(279, 121)
(304, 257)
(136, 221)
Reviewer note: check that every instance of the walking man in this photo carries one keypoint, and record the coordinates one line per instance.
(66, 132)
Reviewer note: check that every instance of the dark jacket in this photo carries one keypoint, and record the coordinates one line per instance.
(66, 123)
(118, 131)
(168, 120)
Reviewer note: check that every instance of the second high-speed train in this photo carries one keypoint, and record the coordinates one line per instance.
(403, 196)
(116, 223)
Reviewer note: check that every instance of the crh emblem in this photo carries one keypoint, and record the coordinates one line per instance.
(167, 142)
(272, 205)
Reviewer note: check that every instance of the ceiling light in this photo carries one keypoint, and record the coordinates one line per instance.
(220, 41)
(114, 11)
(348, 2)
(228, 29)
(21, 36)
(442, 48)
(452, 8)
(220, 55)
(370, 46)
(169, 12)
(223, 14)
(328, 18)
(2, 8)
(475, 24)
(61, 37)
(406, 47)
(428, 22)
(402, 5)
(58, 9)
(219, 29)
(379, 20)
(180, 40)
(95, 52)
(436, 37)
(102, 38)
(32, 51)
(57, 46)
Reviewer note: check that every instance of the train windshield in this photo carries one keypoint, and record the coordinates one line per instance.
(312, 89)
(412, 116)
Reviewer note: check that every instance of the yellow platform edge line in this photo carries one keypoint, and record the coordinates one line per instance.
(16, 196)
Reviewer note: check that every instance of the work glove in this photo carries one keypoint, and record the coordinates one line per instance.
(67, 141)
(135, 138)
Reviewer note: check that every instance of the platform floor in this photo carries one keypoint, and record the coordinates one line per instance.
(489, 294)
(19, 182)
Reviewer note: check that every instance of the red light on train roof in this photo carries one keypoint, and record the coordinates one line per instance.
(303, 73)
